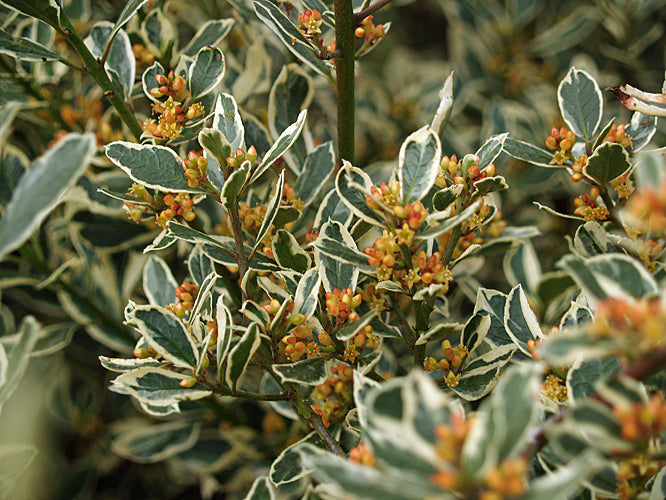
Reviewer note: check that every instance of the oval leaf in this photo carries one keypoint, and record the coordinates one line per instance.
(418, 164)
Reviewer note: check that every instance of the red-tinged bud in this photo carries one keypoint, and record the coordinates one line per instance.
(576, 177)
(161, 80)
(360, 32)
(565, 144)
(141, 353)
(555, 133)
(353, 316)
(251, 154)
(156, 93)
(178, 83)
(297, 319)
(187, 382)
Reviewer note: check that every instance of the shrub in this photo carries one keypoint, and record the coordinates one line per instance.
(280, 322)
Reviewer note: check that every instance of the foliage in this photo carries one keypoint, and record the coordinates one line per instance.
(280, 319)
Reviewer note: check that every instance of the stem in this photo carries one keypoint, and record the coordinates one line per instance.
(422, 315)
(344, 73)
(305, 412)
(612, 213)
(240, 245)
(451, 245)
(253, 395)
(96, 69)
(360, 15)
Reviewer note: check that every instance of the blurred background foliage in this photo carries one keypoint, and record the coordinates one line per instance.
(508, 57)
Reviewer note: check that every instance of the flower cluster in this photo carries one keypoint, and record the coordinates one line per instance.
(88, 113)
(507, 480)
(386, 255)
(240, 156)
(465, 171)
(309, 22)
(647, 210)
(554, 388)
(195, 166)
(644, 425)
(176, 111)
(333, 399)
(164, 206)
(362, 454)
(299, 342)
(451, 364)
(339, 304)
(371, 32)
(618, 135)
(364, 339)
(450, 441)
(635, 326)
(561, 141)
(143, 56)
(587, 206)
(408, 218)
(186, 293)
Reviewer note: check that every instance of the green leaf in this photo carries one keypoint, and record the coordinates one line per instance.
(418, 164)
(165, 333)
(261, 490)
(592, 239)
(291, 92)
(159, 285)
(520, 321)
(342, 253)
(240, 355)
(159, 34)
(566, 481)
(203, 303)
(130, 9)
(349, 331)
(515, 409)
(291, 37)
(281, 145)
(333, 208)
(566, 32)
(287, 467)
(148, 81)
(120, 58)
(271, 212)
(350, 184)
(527, 152)
(122, 365)
(45, 10)
(24, 48)
(306, 372)
(583, 376)
(658, 490)
(41, 188)
(305, 298)
(224, 324)
(8, 111)
(580, 101)
(53, 338)
(288, 253)
(490, 185)
(156, 167)
(254, 312)
(490, 150)
(575, 316)
(440, 222)
(609, 161)
(494, 303)
(154, 443)
(199, 265)
(522, 266)
(13, 366)
(186, 233)
(234, 184)
(159, 387)
(318, 167)
(475, 330)
(335, 273)
(210, 33)
(206, 72)
(444, 197)
(609, 275)
(641, 129)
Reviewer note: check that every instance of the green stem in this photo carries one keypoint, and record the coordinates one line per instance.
(240, 245)
(451, 245)
(344, 73)
(362, 14)
(422, 318)
(305, 413)
(96, 69)
(612, 212)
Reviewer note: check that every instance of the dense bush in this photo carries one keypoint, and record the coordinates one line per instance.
(238, 263)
